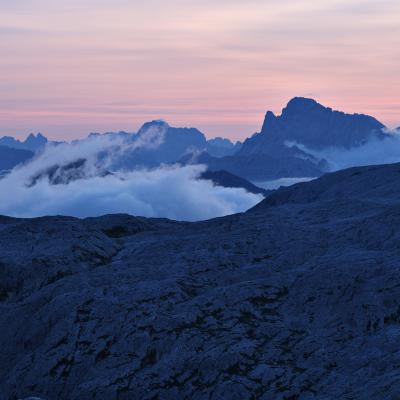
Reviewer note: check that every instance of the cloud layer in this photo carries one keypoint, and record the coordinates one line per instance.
(373, 152)
(169, 191)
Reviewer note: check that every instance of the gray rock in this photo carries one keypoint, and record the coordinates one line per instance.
(299, 298)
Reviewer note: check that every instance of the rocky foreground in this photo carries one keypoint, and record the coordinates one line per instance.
(299, 298)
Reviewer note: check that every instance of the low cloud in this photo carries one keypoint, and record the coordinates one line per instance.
(373, 152)
(169, 191)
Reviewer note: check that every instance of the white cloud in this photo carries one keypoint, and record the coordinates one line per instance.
(169, 191)
(373, 152)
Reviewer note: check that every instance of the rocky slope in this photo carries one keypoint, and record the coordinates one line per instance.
(226, 179)
(296, 299)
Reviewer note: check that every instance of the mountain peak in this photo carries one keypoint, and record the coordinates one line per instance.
(296, 106)
(35, 142)
(306, 122)
(301, 100)
(157, 123)
(31, 143)
(302, 104)
(37, 138)
(270, 120)
(221, 142)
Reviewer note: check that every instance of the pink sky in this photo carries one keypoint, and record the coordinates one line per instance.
(70, 67)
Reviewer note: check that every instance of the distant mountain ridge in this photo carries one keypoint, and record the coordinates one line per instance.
(175, 144)
(14, 152)
(279, 150)
(226, 179)
(285, 147)
(219, 147)
(31, 143)
(311, 124)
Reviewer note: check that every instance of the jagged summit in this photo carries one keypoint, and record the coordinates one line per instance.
(294, 108)
(34, 143)
(38, 136)
(269, 121)
(157, 123)
(304, 121)
(31, 143)
(292, 144)
(303, 104)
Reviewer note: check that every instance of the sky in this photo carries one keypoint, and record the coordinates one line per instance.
(70, 67)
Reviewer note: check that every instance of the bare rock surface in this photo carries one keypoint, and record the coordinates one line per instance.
(299, 298)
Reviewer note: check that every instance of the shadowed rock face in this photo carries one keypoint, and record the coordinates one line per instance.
(276, 152)
(304, 121)
(220, 147)
(280, 149)
(309, 123)
(261, 167)
(64, 174)
(296, 299)
(226, 179)
(9, 158)
(32, 142)
(175, 144)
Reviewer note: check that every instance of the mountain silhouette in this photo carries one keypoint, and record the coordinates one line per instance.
(31, 143)
(9, 158)
(281, 148)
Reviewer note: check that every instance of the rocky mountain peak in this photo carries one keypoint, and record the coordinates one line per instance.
(269, 121)
(158, 123)
(303, 105)
(34, 142)
(306, 122)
